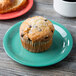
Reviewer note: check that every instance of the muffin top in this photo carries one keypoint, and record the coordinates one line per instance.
(36, 29)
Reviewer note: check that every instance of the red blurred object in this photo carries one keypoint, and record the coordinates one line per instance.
(17, 13)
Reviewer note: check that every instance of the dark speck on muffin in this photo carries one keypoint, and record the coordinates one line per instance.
(46, 20)
(29, 39)
(52, 31)
(22, 35)
(30, 26)
(39, 30)
(46, 37)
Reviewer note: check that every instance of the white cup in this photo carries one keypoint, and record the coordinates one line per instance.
(65, 8)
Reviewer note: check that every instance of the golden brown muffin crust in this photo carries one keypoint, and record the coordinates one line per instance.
(37, 29)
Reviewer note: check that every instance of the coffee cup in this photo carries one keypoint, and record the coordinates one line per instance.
(65, 7)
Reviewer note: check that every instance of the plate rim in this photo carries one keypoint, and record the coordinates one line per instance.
(58, 60)
(18, 15)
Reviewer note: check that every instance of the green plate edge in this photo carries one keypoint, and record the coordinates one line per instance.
(58, 60)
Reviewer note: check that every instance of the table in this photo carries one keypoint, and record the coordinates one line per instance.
(67, 67)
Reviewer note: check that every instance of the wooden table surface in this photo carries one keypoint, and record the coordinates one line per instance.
(67, 67)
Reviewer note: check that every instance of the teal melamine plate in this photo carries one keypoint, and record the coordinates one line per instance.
(61, 47)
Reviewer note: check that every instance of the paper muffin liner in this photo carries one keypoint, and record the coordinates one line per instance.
(36, 46)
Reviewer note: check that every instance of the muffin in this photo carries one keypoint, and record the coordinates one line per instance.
(36, 34)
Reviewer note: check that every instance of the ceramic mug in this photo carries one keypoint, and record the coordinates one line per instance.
(65, 7)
